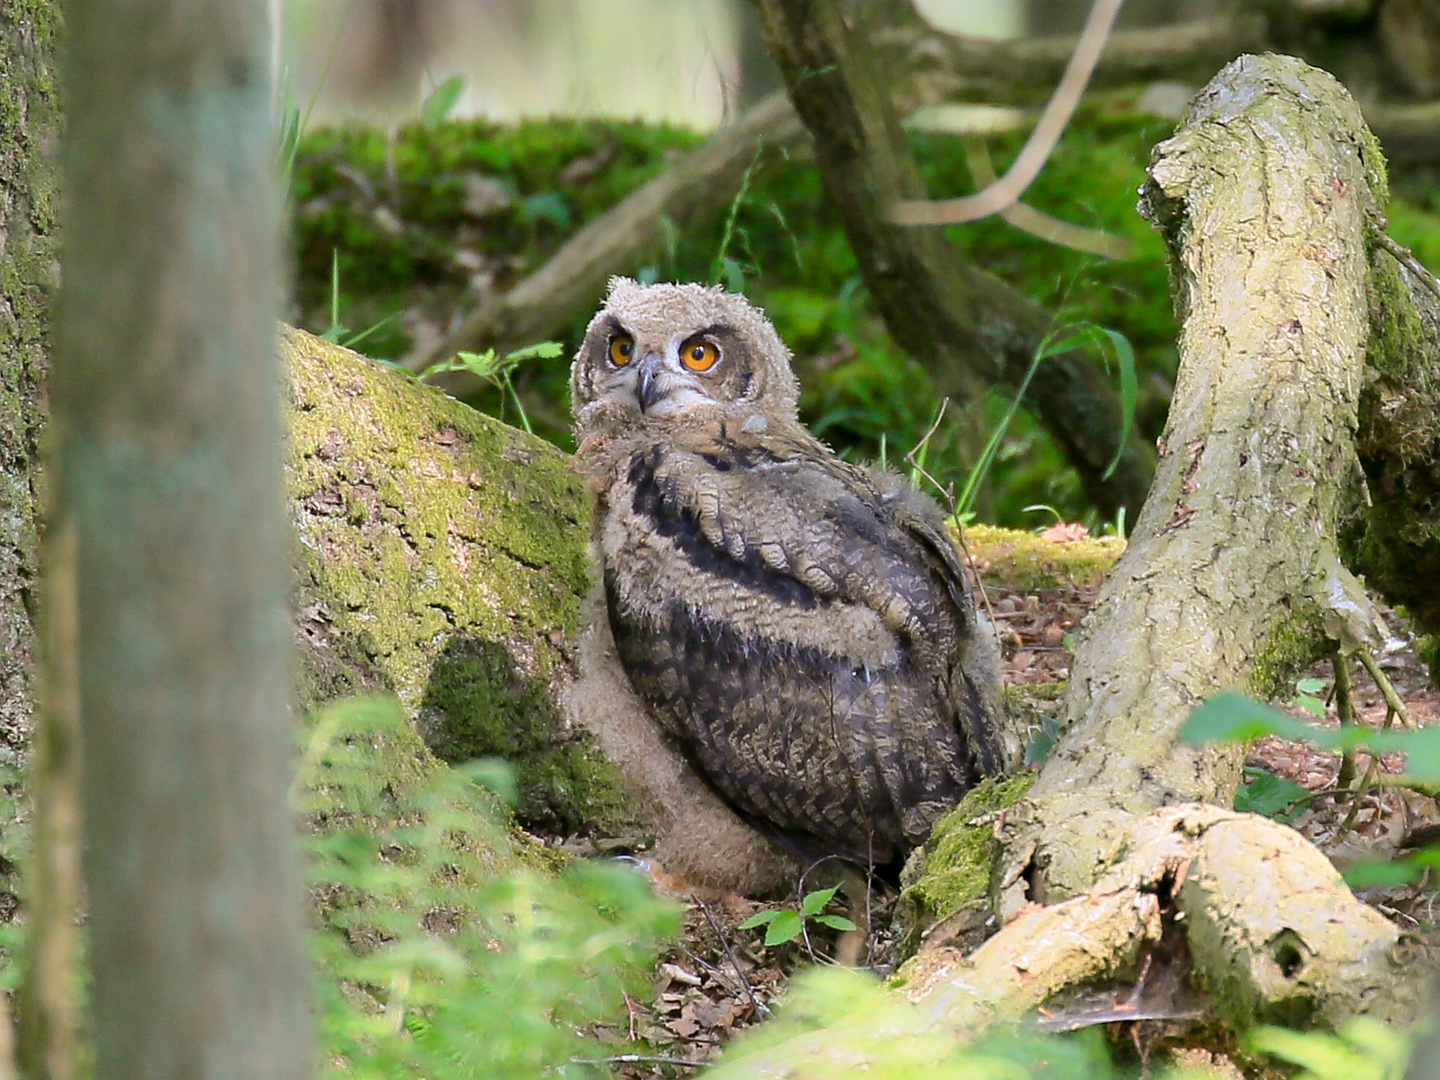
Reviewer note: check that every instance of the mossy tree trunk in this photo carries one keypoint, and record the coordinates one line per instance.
(1270, 197)
(29, 126)
(29, 133)
(441, 557)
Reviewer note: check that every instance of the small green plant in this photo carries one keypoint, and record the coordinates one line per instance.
(496, 370)
(785, 924)
(1307, 696)
(336, 332)
(1363, 1049)
(441, 102)
(440, 952)
(1111, 345)
(1270, 796)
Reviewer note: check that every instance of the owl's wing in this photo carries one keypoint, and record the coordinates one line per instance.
(975, 665)
(789, 509)
(801, 630)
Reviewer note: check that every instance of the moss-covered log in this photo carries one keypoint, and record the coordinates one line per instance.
(29, 126)
(441, 557)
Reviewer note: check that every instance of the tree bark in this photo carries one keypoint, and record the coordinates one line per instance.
(167, 425)
(1267, 197)
(974, 331)
(1393, 532)
(28, 126)
(441, 557)
(48, 1001)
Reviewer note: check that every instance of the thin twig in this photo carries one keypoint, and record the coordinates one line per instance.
(1407, 259)
(1050, 229)
(1345, 709)
(1405, 780)
(755, 1002)
(1387, 688)
(1037, 149)
(638, 1059)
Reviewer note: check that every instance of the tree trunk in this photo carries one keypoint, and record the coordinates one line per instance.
(167, 425)
(442, 558)
(1267, 197)
(28, 125)
(974, 332)
(47, 1004)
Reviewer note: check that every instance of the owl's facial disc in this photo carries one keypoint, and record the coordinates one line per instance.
(688, 352)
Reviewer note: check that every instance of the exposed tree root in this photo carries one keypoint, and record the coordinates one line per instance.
(1272, 928)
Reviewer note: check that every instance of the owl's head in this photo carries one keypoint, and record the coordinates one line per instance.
(663, 352)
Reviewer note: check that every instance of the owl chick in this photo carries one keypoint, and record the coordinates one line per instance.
(797, 652)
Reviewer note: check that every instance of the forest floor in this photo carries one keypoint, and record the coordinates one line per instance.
(718, 979)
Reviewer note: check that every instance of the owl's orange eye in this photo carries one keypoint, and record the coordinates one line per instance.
(622, 348)
(699, 355)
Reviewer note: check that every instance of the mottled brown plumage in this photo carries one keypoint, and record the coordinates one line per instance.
(797, 628)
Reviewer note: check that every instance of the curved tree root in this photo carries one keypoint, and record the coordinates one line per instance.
(1273, 931)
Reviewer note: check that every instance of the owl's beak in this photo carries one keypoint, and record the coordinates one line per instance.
(646, 390)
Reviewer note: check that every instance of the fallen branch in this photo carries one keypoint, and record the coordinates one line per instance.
(1232, 575)
(568, 284)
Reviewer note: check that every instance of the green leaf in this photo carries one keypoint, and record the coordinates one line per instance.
(1422, 750)
(1328, 1057)
(545, 350)
(784, 927)
(760, 918)
(1270, 796)
(1063, 345)
(1383, 874)
(1129, 392)
(440, 101)
(838, 922)
(1310, 686)
(1232, 717)
(1043, 741)
(1059, 519)
(815, 902)
(1313, 705)
(547, 206)
(733, 274)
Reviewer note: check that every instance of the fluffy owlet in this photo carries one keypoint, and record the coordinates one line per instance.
(795, 642)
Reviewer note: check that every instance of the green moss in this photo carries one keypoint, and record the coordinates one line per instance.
(1293, 644)
(1395, 539)
(953, 868)
(442, 558)
(478, 705)
(1013, 559)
